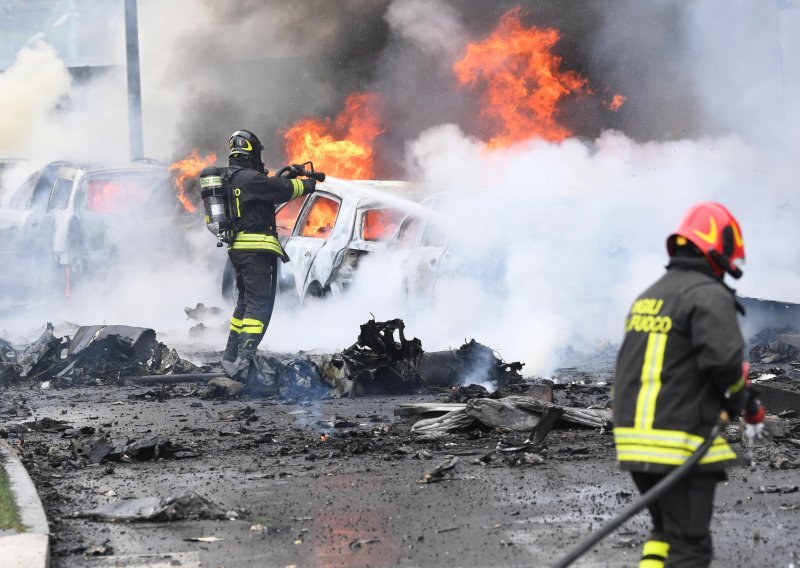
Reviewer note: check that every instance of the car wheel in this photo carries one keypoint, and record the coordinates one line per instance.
(314, 290)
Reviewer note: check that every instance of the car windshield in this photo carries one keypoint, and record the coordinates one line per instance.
(118, 193)
(286, 217)
(380, 224)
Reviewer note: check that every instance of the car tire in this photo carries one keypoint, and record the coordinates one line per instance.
(314, 291)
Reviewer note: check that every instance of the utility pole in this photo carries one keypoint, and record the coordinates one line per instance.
(134, 80)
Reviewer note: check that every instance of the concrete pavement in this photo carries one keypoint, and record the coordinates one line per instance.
(30, 549)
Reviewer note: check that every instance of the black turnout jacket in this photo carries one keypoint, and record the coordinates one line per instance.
(255, 196)
(682, 352)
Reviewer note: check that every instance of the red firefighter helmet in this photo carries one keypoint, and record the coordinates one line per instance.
(711, 228)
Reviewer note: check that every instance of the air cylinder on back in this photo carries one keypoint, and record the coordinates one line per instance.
(215, 202)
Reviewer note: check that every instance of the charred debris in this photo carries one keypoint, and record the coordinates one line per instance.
(383, 361)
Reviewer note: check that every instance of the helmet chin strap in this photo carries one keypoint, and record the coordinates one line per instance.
(725, 264)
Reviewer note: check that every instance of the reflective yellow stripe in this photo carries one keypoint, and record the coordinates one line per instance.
(256, 241)
(253, 326)
(669, 447)
(658, 437)
(671, 456)
(237, 192)
(298, 188)
(236, 325)
(651, 563)
(655, 548)
(737, 386)
(651, 379)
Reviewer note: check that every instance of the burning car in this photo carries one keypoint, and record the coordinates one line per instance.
(421, 246)
(67, 219)
(327, 233)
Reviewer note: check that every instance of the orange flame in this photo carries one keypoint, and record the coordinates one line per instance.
(616, 102)
(380, 224)
(523, 84)
(114, 196)
(344, 148)
(188, 168)
(321, 218)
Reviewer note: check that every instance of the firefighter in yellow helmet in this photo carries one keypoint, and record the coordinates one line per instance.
(681, 363)
(255, 249)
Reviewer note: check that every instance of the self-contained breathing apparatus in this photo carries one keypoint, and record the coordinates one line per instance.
(218, 197)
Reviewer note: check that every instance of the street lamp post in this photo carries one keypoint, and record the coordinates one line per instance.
(134, 80)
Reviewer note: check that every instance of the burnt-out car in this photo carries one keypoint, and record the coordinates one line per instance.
(431, 252)
(421, 247)
(327, 233)
(68, 220)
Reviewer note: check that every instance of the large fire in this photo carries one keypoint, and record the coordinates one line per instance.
(189, 168)
(521, 81)
(342, 148)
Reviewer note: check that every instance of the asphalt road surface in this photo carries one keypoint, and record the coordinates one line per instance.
(304, 493)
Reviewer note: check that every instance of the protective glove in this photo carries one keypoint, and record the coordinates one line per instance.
(754, 413)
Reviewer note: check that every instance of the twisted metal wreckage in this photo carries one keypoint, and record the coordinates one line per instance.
(383, 361)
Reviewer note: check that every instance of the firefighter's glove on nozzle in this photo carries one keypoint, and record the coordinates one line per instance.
(296, 170)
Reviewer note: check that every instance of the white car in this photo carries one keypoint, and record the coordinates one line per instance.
(325, 234)
(68, 219)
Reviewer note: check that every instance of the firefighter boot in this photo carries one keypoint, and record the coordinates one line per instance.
(239, 370)
(232, 347)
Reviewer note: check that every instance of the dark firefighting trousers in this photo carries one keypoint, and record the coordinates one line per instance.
(256, 281)
(681, 519)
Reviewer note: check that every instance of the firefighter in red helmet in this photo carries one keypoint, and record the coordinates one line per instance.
(680, 364)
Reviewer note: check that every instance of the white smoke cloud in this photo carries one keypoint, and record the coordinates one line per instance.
(561, 236)
(30, 90)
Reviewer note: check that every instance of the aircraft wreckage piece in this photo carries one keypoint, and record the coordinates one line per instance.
(518, 413)
(98, 352)
(384, 361)
(157, 509)
(169, 379)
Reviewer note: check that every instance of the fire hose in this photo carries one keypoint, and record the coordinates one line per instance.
(657, 491)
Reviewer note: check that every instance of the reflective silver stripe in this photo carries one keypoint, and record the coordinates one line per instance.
(207, 181)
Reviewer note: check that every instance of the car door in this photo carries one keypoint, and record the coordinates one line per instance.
(316, 223)
(287, 216)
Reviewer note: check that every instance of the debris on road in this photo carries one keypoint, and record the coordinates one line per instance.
(775, 489)
(189, 506)
(517, 413)
(358, 543)
(202, 313)
(95, 353)
(442, 471)
(203, 539)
